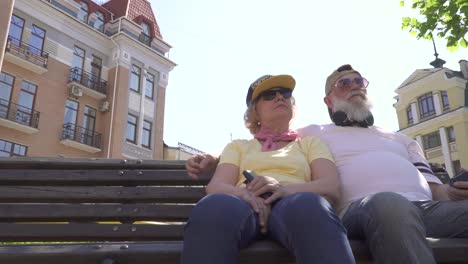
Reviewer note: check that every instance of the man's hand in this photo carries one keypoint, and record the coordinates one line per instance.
(459, 191)
(200, 164)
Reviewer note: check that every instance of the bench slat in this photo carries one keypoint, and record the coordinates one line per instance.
(96, 177)
(89, 232)
(40, 194)
(446, 251)
(131, 253)
(13, 212)
(89, 163)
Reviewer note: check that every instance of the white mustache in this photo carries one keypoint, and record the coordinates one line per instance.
(356, 92)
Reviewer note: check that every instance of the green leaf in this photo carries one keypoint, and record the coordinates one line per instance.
(402, 3)
(406, 20)
(452, 48)
(463, 43)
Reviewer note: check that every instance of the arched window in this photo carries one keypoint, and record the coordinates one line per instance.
(409, 115)
(146, 29)
(145, 35)
(99, 23)
(426, 105)
(445, 100)
(83, 13)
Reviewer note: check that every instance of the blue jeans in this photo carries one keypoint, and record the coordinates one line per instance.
(220, 225)
(395, 228)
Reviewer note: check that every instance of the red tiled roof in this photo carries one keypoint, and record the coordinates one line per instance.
(135, 10)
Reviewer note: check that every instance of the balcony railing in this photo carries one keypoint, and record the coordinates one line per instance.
(19, 114)
(82, 135)
(145, 39)
(88, 79)
(27, 52)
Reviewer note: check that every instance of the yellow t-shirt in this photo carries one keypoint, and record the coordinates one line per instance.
(289, 164)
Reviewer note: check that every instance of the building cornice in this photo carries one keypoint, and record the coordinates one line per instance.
(460, 112)
(138, 49)
(429, 78)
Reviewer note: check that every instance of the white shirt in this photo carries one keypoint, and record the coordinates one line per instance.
(371, 160)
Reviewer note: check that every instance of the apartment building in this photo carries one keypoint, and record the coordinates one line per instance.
(432, 107)
(83, 79)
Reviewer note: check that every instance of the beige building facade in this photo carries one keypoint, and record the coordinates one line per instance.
(432, 107)
(79, 79)
(181, 152)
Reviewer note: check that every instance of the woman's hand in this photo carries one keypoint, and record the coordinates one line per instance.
(258, 204)
(265, 184)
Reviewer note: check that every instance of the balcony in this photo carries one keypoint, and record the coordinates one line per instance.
(91, 85)
(18, 117)
(27, 56)
(81, 138)
(145, 39)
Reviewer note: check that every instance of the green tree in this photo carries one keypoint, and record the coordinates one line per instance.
(445, 18)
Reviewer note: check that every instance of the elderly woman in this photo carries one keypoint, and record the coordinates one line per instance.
(299, 175)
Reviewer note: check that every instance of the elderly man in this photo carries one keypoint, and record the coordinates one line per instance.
(391, 198)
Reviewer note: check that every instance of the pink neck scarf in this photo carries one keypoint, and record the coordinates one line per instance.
(269, 139)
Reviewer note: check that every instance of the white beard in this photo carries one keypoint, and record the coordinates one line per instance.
(357, 111)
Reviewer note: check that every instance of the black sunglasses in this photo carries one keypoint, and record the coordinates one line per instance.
(269, 95)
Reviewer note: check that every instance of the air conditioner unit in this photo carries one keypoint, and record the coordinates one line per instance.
(76, 91)
(104, 106)
(27, 51)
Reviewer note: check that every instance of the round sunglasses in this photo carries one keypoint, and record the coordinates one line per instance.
(346, 83)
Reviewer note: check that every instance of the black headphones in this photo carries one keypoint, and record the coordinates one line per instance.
(340, 118)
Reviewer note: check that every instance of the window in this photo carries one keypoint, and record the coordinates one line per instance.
(149, 87)
(445, 100)
(95, 78)
(146, 135)
(15, 32)
(451, 134)
(135, 79)
(10, 149)
(69, 119)
(132, 122)
(83, 13)
(456, 166)
(426, 105)
(37, 39)
(409, 115)
(146, 29)
(6, 85)
(145, 35)
(26, 103)
(99, 23)
(431, 140)
(89, 121)
(77, 64)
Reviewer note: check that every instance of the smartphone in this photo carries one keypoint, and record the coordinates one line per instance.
(249, 177)
(460, 177)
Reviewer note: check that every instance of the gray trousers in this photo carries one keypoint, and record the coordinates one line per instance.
(395, 228)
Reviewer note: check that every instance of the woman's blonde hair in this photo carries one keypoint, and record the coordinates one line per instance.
(252, 120)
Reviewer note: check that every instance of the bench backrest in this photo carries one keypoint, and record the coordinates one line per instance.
(94, 200)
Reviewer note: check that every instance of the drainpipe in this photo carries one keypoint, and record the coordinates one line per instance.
(113, 93)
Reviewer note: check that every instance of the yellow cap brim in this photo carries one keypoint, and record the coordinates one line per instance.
(285, 81)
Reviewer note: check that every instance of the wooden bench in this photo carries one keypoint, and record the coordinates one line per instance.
(103, 211)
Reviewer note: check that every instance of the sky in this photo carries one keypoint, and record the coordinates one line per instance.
(220, 47)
